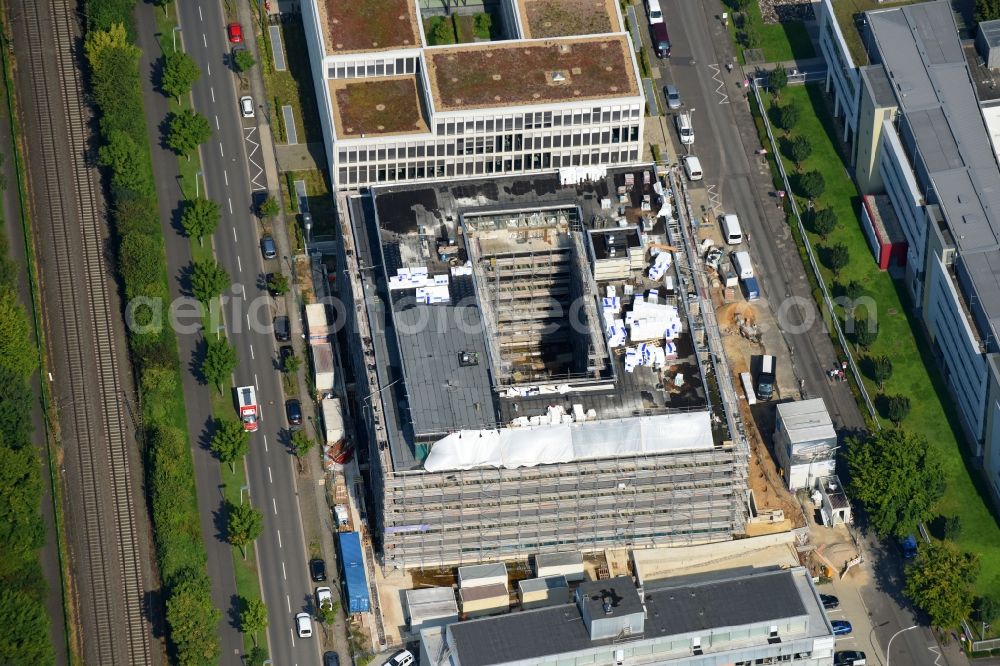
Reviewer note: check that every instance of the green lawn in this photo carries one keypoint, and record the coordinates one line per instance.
(778, 41)
(294, 86)
(915, 373)
(319, 198)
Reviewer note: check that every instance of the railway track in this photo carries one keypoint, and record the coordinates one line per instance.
(113, 605)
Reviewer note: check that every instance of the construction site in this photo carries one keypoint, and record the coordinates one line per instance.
(536, 371)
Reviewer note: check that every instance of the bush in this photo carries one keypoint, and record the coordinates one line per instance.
(812, 184)
(788, 117)
(800, 149)
(836, 257)
(823, 221)
(483, 25)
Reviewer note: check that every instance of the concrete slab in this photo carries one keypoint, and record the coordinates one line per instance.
(277, 48)
(633, 28)
(651, 102)
(301, 157)
(291, 134)
(300, 192)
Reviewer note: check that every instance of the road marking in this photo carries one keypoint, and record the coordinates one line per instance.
(229, 200)
(274, 503)
(251, 346)
(255, 381)
(225, 175)
(271, 480)
(265, 446)
(283, 575)
(248, 316)
(217, 122)
(239, 263)
(204, 40)
(208, 67)
(288, 602)
(212, 90)
(279, 539)
(222, 154)
(243, 287)
(200, 17)
(235, 240)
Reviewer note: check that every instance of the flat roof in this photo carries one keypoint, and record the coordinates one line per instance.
(377, 107)
(727, 600)
(502, 74)
(545, 583)
(368, 25)
(921, 52)
(879, 84)
(563, 18)
(806, 420)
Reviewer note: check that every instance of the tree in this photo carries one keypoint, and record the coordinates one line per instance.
(18, 354)
(864, 335)
(208, 280)
(301, 443)
(788, 116)
(277, 284)
(443, 33)
(25, 638)
(777, 79)
(243, 525)
(812, 184)
(219, 361)
(987, 10)
(253, 617)
(823, 221)
(897, 476)
(881, 370)
(837, 257)
(952, 528)
(800, 149)
(898, 407)
(269, 208)
(180, 72)
(200, 217)
(328, 613)
(121, 154)
(243, 60)
(291, 364)
(257, 656)
(987, 609)
(193, 618)
(940, 583)
(230, 441)
(751, 35)
(186, 130)
(854, 289)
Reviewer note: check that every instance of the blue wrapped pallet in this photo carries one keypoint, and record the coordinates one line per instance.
(352, 573)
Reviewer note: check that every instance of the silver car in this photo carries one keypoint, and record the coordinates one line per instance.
(673, 97)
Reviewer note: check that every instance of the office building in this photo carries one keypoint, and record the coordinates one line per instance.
(771, 617)
(918, 135)
(516, 404)
(554, 90)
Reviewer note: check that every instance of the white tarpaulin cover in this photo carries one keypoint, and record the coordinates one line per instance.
(511, 448)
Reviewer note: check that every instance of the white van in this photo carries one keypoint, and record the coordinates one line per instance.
(655, 14)
(741, 262)
(692, 166)
(684, 128)
(731, 229)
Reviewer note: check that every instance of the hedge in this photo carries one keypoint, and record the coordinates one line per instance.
(116, 87)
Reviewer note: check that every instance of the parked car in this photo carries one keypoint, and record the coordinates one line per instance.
(829, 601)
(692, 167)
(331, 659)
(282, 330)
(661, 40)
(685, 130)
(284, 354)
(324, 597)
(317, 569)
(235, 33)
(908, 547)
(672, 95)
(849, 658)
(246, 106)
(293, 410)
(401, 658)
(303, 625)
(267, 247)
(841, 627)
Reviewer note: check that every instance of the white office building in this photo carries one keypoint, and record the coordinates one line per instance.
(554, 95)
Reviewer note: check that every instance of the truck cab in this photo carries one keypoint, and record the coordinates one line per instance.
(765, 378)
(246, 400)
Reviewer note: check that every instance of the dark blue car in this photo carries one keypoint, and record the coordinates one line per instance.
(841, 627)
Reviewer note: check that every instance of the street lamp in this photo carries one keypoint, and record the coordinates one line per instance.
(889, 646)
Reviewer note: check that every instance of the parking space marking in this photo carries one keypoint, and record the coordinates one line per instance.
(254, 167)
(720, 89)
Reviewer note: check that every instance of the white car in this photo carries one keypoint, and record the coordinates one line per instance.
(303, 625)
(324, 597)
(246, 106)
(401, 658)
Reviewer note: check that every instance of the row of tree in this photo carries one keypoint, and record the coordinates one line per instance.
(116, 87)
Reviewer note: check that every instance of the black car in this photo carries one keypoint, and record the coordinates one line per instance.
(293, 410)
(331, 659)
(830, 602)
(268, 248)
(282, 331)
(317, 569)
(285, 353)
(849, 658)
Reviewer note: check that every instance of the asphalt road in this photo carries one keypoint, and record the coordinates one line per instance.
(281, 549)
(725, 141)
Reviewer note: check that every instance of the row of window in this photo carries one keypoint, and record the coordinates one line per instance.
(539, 120)
(500, 143)
(373, 67)
(385, 173)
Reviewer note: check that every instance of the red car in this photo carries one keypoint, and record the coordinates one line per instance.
(235, 32)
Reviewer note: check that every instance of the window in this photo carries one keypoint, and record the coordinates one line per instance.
(380, 68)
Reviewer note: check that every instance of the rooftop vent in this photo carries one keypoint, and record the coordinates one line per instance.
(606, 604)
(557, 77)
